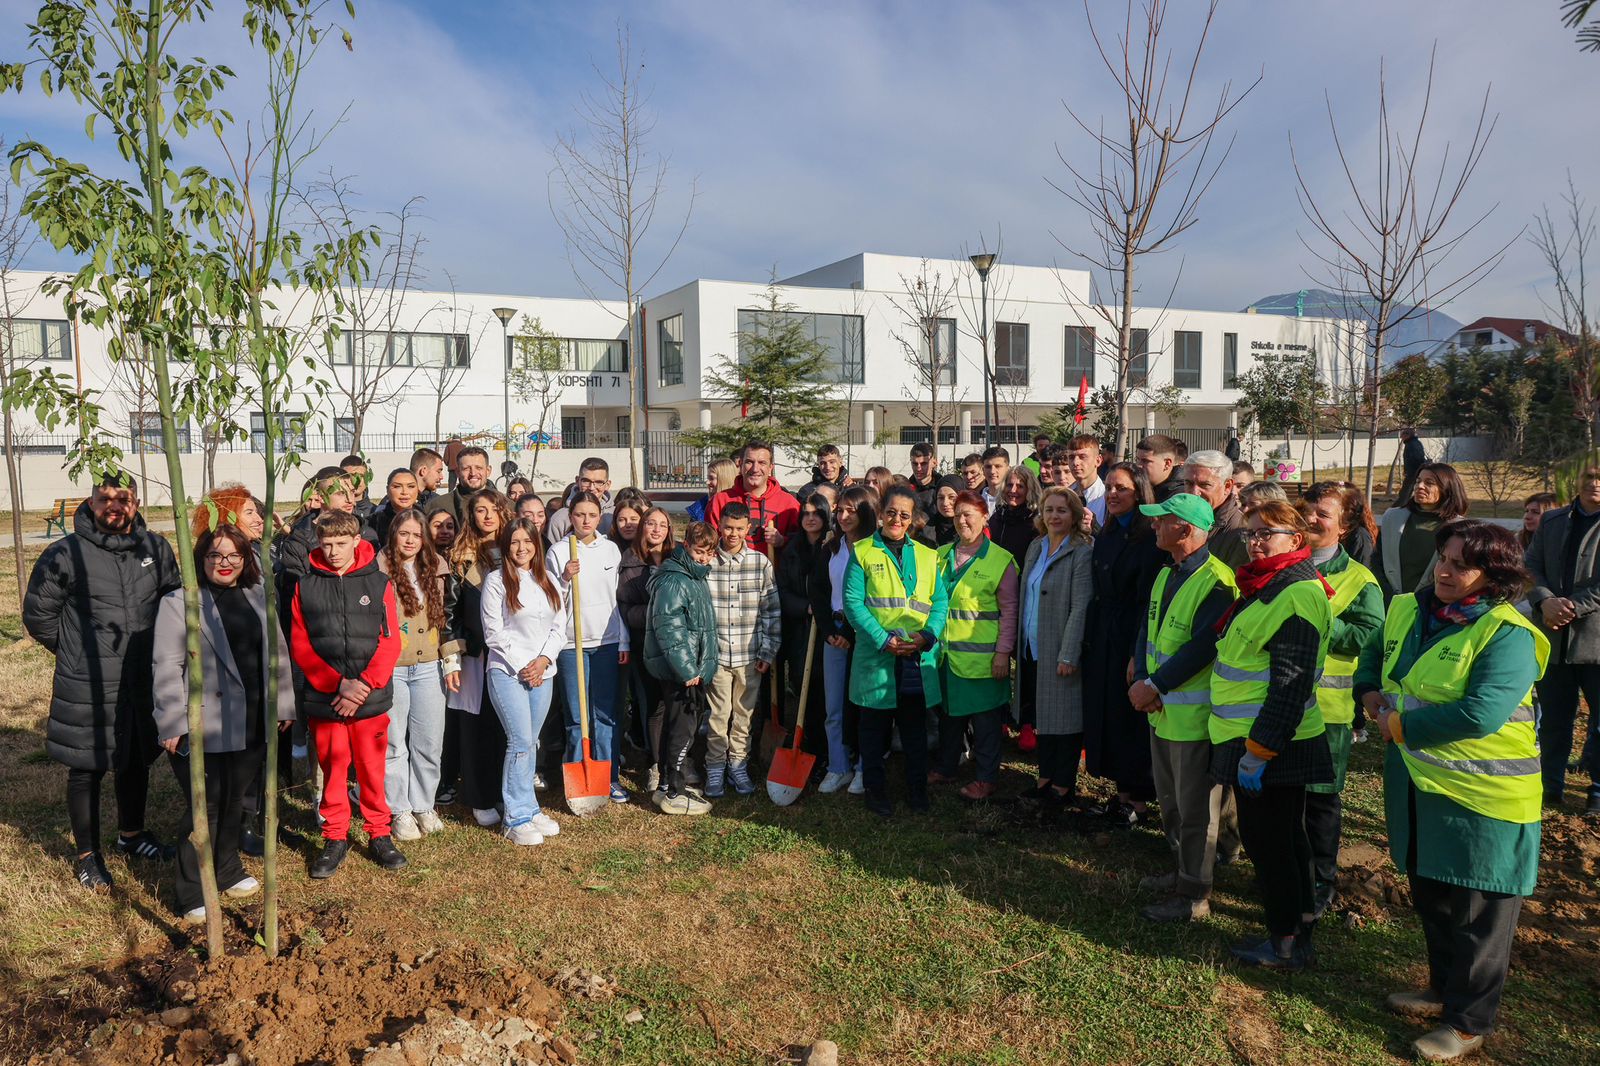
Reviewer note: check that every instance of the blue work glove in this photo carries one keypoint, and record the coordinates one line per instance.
(1251, 767)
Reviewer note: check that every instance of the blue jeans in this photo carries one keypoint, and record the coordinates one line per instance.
(600, 671)
(416, 738)
(836, 678)
(521, 710)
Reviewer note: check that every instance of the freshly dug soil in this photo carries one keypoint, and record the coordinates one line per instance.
(334, 996)
(1561, 923)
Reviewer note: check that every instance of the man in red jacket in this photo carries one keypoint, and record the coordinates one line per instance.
(774, 513)
(345, 638)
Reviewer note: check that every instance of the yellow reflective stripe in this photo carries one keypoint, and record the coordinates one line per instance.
(969, 645)
(973, 616)
(1180, 696)
(1480, 767)
(1234, 673)
(1337, 681)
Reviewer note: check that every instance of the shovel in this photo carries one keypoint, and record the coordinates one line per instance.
(587, 783)
(791, 767)
(772, 734)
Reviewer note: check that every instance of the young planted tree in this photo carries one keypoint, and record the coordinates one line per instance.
(927, 336)
(536, 374)
(17, 352)
(1393, 247)
(267, 261)
(779, 379)
(1154, 164)
(141, 265)
(1282, 395)
(604, 191)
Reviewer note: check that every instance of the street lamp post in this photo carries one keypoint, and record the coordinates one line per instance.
(505, 315)
(983, 262)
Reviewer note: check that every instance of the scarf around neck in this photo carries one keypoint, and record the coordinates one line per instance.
(1257, 574)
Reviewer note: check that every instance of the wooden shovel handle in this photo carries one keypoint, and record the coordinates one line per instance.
(577, 640)
(805, 683)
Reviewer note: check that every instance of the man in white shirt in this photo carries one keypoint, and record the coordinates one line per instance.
(996, 465)
(1083, 460)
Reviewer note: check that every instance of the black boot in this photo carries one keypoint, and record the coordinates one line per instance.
(386, 855)
(1273, 953)
(878, 803)
(329, 858)
(1303, 949)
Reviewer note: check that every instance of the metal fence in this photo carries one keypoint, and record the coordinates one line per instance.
(672, 463)
(189, 444)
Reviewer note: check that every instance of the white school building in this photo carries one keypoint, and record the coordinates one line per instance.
(420, 367)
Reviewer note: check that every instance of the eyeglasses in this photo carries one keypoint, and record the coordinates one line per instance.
(590, 483)
(224, 560)
(1264, 534)
(904, 516)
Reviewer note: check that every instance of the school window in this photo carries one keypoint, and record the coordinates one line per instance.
(574, 431)
(842, 336)
(344, 434)
(1011, 354)
(145, 429)
(669, 332)
(594, 356)
(1078, 364)
(291, 433)
(369, 348)
(943, 332)
(1139, 358)
(924, 434)
(1186, 359)
(32, 338)
(1230, 360)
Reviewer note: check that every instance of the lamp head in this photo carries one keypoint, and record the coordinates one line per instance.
(505, 314)
(983, 262)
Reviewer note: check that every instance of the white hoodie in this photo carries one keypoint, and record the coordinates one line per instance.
(517, 638)
(599, 561)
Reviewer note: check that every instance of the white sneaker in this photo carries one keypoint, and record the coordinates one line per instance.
(240, 890)
(428, 821)
(652, 779)
(524, 835)
(545, 824)
(486, 816)
(404, 826)
(195, 917)
(832, 782)
(858, 784)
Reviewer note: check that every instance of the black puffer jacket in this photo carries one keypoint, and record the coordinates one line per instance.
(293, 554)
(92, 600)
(345, 626)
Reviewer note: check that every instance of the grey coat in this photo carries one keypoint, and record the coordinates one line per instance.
(1579, 640)
(223, 701)
(1063, 607)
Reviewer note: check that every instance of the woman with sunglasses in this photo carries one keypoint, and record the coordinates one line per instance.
(896, 601)
(1266, 727)
(233, 659)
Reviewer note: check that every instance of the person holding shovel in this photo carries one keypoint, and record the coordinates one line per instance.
(680, 651)
(605, 638)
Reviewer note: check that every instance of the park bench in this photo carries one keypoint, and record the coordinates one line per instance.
(57, 516)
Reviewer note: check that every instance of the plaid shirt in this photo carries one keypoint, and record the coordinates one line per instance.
(745, 598)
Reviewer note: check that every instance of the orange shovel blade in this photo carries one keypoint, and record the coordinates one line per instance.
(587, 783)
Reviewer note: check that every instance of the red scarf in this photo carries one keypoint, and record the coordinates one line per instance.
(1255, 575)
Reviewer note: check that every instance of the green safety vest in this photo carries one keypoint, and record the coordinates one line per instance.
(972, 627)
(1240, 677)
(897, 609)
(1186, 708)
(1496, 776)
(1334, 696)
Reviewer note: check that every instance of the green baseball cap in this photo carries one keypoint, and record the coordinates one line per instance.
(1185, 505)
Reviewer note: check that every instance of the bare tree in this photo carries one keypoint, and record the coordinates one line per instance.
(1155, 164)
(927, 336)
(367, 365)
(536, 375)
(1565, 246)
(16, 353)
(1390, 248)
(445, 376)
(604, 191)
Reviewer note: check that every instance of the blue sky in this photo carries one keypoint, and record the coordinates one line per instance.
(813, 131)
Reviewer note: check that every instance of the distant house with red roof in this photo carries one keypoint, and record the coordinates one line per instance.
(1502, 335)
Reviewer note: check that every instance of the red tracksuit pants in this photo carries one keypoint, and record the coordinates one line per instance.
(341, 743)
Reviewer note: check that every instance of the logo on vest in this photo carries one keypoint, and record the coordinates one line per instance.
(365, 601)
(1451, 655)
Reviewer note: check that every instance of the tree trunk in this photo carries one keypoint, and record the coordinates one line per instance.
(155, 188)
(14, 487)
(1377, 396)
(1125, 349)
(269, 787)
(633, 381)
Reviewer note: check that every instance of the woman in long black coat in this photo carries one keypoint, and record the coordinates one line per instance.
(798, 566)
(1124, 564)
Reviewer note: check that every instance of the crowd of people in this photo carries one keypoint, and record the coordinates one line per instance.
(1197, 638)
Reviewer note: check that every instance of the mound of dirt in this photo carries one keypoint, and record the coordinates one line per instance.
(336, 996)
(1563, 917)
(1368, 885)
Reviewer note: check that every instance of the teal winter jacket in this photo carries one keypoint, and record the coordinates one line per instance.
(680, 639)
